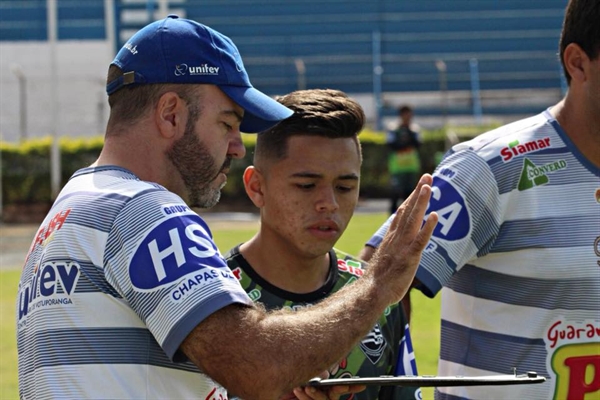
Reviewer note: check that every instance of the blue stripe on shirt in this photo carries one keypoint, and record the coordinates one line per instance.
(523, 291)
(110, 346)
(491, 351)
(545, 233)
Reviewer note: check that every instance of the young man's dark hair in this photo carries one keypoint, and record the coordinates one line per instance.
(321, 112)
(582, 26)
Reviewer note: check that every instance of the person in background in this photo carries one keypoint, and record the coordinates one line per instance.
(516, 253)
(404, 165)
(305, 181)
(124, 293)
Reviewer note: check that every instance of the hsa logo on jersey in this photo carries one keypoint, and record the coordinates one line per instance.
(454, 220)
(175, 248)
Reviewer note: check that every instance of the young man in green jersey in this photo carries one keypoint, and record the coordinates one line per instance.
(305, 181)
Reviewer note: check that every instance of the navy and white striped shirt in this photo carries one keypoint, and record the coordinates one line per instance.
(516, 255)
(119, 273)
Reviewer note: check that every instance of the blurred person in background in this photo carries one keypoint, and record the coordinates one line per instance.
(516, 253)
(124, 293)
(305, 181)
(404, 163)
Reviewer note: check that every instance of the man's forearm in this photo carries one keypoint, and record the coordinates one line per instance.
(261, 362)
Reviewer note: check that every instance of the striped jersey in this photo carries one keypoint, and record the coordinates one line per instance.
(385, 350)
(117, 276)
(517, 252)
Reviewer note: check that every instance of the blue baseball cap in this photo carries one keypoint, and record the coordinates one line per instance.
(178, 50)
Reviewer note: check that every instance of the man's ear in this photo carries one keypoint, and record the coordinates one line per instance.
(171, 115)
(254, 185)
(576, 62)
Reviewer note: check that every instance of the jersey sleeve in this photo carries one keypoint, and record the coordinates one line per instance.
(466, 198)
(161, 257)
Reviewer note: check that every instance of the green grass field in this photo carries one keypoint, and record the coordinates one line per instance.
(424, 325)
(8, 342)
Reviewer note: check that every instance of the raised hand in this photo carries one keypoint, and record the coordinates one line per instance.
(397, 258)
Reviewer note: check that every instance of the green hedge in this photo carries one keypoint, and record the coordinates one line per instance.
(26, 166)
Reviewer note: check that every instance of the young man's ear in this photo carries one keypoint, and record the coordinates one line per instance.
(576, 62)
(254, 185)
(171, 115)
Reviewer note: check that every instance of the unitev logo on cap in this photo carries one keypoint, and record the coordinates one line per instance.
(204, 69)
(182, 51)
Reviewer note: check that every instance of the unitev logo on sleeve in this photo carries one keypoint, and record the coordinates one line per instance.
(176, 247)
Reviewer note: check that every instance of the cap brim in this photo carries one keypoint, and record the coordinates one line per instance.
(261, 112)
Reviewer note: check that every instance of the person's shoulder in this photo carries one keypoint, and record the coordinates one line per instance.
(232, 253)
(116, 182)
(120, 191)
(492, 144)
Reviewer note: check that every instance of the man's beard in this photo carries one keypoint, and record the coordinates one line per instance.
(197, 168)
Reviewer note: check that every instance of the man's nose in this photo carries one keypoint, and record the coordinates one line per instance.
(236, 146)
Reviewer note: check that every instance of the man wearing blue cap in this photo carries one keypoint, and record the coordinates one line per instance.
(124, 293)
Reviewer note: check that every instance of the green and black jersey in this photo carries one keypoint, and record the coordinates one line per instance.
(386, 350)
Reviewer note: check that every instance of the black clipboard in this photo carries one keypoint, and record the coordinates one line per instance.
(432, 380)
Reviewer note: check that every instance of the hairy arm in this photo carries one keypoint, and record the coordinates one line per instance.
(258, 355)
(366, 254)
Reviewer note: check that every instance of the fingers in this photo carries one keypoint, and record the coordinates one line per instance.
(407, 227)
(310, 393)
(395, 262)
(404, 211)
(417, 215)
(331, 393)
(345, 389)
(426, 231)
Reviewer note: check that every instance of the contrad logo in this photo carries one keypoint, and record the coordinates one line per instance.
(537, 175)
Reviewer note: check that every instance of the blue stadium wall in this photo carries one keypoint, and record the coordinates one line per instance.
(514, 41)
